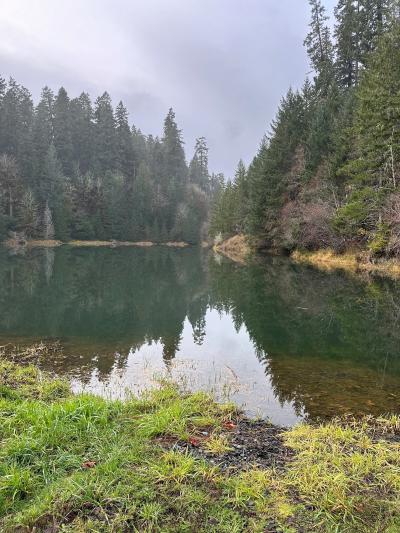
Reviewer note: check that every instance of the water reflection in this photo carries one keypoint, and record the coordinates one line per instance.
(286, 341)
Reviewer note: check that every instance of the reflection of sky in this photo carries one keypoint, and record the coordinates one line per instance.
(225, 364)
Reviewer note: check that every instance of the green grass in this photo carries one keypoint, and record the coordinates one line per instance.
(79, 463)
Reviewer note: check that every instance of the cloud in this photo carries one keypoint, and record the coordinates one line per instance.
(222, 64)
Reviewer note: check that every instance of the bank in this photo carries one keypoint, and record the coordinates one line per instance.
(178, 462)
(52, 243)
(241, 248)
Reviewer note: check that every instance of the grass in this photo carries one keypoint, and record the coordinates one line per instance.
(236, 248)
(328, 260)
(79, 463)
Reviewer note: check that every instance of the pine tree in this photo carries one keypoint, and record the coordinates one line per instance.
(52, 191)
(319, 45)
(348, 50)
(16, 113)
(82, 133)
(125, 152)
(105, 135)
(10, 184)
(378, 114)
(173, 171)
(173, 153)
(198, 168)
(242, 197)
(43, 135)
(63, 131)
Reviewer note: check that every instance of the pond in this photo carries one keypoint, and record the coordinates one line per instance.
(284, 341)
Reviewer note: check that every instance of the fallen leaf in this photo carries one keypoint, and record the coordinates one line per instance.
(194, 442)
(89, 464)
(229, 425)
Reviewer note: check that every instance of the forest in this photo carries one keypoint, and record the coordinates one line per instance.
(73, 170)
(327, 174)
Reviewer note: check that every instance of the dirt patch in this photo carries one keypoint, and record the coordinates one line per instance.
(251, 444)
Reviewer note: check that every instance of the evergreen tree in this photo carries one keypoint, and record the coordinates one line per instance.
(43, 135)
(82, 133)
(347, 33)
(319, 45)
(52, 191)
(10, 184)
(63, 131)
(198, 168)
(125, 151)
(105, 135)
(16, 109)
(174, 165)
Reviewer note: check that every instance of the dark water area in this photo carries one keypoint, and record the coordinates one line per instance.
(285, 341)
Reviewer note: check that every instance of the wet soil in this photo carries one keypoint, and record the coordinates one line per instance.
(252, 444)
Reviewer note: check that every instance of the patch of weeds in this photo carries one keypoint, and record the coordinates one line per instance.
(217, 444)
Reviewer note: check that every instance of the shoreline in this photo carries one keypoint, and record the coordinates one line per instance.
(53, 243)
(236, 248)
(239, 249)
(353, 262)
(174, 459)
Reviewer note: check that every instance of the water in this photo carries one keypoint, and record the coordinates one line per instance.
(284, 341)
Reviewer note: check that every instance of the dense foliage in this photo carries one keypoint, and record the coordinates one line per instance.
(327, 174)
(69, 169)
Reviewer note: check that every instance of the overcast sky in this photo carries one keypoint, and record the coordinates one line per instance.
(223, 65)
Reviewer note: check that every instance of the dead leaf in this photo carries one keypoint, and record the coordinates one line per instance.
(89, 464)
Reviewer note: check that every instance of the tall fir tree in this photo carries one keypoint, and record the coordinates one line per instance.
(63, 131)
(105, 135)
(198, 168)
(125, 151)
(319, 45)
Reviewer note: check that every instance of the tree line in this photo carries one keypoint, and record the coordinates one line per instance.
(328, 172)
(70, 169)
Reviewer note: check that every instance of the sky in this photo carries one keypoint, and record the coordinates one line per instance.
(223, 65)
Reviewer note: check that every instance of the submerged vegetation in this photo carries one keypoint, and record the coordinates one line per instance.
(327, 174)
(81, 463)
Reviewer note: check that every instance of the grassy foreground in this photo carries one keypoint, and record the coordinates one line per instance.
(77, 463)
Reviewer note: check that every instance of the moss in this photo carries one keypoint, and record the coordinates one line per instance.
(81, 463)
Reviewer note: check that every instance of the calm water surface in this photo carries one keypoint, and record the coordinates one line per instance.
(285, 341)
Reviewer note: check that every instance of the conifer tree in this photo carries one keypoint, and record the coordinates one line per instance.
(198, 168)
(63, 131)
(174, 165)
(105, 135)
(125, 152)
(43, 133)
(319, 45)
(348, 47)
(82, 133)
